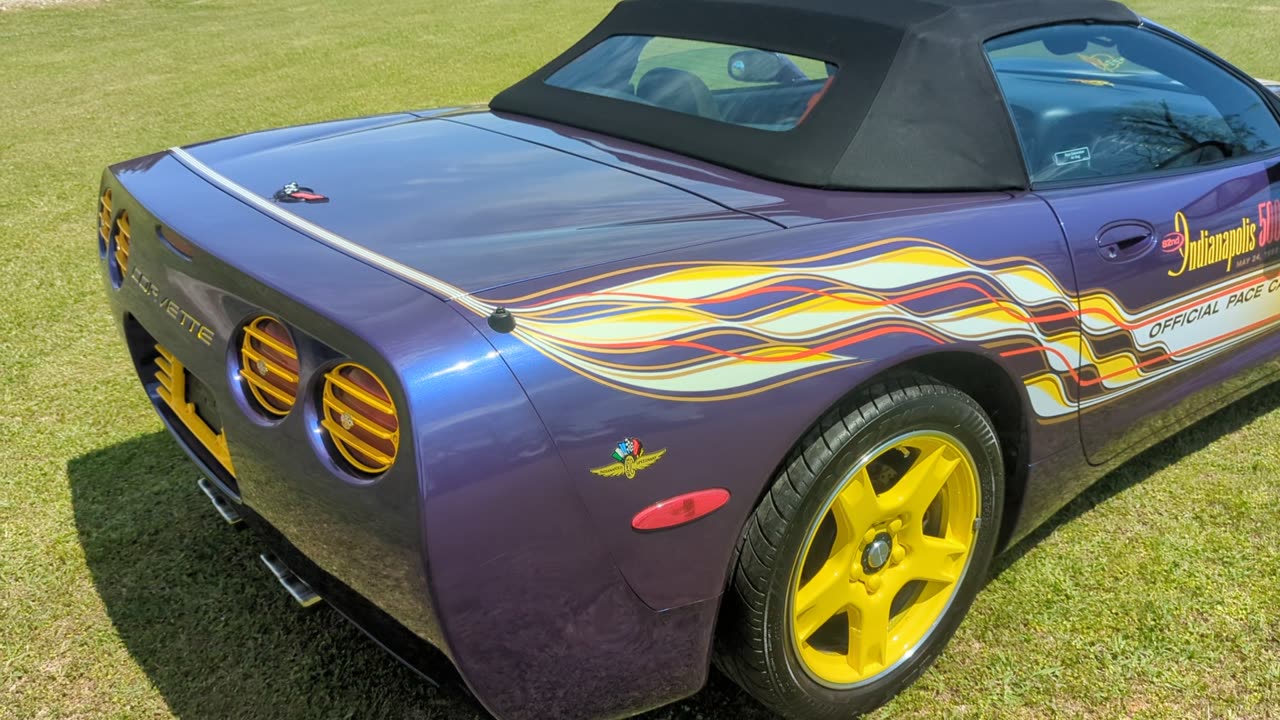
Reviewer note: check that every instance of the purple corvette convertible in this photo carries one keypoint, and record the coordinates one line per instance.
(745, 332)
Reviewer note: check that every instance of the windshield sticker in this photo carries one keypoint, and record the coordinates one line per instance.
(1094, 83)
(1071, 157)
(1106, 62)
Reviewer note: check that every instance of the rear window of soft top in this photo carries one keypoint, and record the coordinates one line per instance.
(744, 86)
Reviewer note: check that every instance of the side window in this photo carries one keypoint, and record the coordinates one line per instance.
(1107, 101)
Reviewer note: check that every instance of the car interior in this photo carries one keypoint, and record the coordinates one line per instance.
(741, 86)
(1098, 103)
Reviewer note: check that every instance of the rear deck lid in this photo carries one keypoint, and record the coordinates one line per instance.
(473, 208)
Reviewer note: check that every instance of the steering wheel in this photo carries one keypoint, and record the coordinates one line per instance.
(1220, 146)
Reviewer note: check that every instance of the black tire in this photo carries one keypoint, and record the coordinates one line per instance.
(754, 644)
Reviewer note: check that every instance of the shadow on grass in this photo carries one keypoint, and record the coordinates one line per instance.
(203, 617)
(1151, 461)
(218, 638)
(214, 632)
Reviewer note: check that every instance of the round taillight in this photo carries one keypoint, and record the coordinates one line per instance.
(269, 366)
(360, 418)
(122, 240)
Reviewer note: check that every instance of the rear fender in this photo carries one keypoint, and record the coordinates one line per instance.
(681, 353)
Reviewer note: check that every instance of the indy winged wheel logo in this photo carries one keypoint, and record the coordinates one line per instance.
(629, 458)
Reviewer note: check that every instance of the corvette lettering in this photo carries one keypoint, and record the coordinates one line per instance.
(202, 332)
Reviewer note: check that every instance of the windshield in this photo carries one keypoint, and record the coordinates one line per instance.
(741, 86)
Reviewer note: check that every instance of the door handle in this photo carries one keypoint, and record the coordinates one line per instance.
(1126, 240)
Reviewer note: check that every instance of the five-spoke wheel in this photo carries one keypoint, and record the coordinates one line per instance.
(868, 550)
(885, 558)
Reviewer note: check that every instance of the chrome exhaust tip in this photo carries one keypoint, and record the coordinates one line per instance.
(299, 590)
(221, 503)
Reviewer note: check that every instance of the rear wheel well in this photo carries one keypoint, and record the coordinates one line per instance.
(1000, 398)
(998, 394)
(896, 410)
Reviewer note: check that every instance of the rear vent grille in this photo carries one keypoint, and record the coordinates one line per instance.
(269, 366)
(360, 419)
(104, 216)
(173, 391)
(123, 238)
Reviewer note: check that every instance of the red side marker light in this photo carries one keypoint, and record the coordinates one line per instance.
(679, 510)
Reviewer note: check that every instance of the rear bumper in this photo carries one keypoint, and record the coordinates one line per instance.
(389, 634)
(475, 542)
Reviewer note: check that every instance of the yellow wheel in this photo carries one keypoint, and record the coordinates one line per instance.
(866, 553)
(883, 561)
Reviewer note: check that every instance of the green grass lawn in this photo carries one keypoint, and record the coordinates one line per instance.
(122, 595)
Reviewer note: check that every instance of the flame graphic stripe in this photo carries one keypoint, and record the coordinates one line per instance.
(715, 330)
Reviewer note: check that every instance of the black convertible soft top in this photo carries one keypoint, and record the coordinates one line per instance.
(915, 106)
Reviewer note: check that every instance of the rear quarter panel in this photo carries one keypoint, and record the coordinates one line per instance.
(240, 264)
(474, 540)
(724, 354)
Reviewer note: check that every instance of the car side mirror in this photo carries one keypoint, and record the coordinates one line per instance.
(755, 66)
